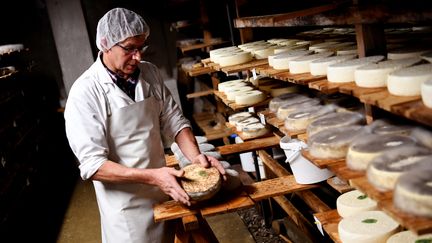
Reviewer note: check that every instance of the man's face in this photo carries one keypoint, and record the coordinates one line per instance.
(124, 56)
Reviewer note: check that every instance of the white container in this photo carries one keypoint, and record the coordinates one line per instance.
(247, 161)
(304, 171)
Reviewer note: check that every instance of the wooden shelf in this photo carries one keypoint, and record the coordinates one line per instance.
(385, 100)
(245, 66)
(194, 72)
(201, 45)
(329, 221)
(212, 124)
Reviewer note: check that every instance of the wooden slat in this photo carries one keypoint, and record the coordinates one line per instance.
(329, 221)
(227, 204)
(267, 70)
(245, 66)
(248, 146)
(343, 172)
(275, 187)
(341, 188)
(199, 94)
(271, 118)
(325, 86)
(356, 91)
(302, 79)
(190, 222)
(385, 100)
(321, 163)
(362, 184)
(313, 201)
(416, 111)
(171, 210)
(200, 71)
(236, 107)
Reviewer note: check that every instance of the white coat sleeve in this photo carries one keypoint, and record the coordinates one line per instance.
(85, 128)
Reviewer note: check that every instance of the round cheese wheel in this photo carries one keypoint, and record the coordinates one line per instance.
(385, 127)
(301, 64)
(279, 100)
(10, 48)
(333, 48)
(234, 59)
(426, 93)
(250, 97)
(200, 183)
(353, 202)
(423, 136)
(281, 61)
(319, 66)
(290, 107)
(215, 58)
(299, 120)
(367, 227)
(385, 169)
(333, 143)
(405, 53)
(374, 75)
(408, 236)
(413, 191)
(337, 119)
(234, 118)
(254, 130)
(243, 123)
(343, 72)
(232, 83)
(232, 93)
(365, 148)
(407, 81)
(264, 52)
(427, 56)
(275, 92)
(347, 50)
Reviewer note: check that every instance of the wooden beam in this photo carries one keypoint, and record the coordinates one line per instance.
(248, 146)
(199, 94)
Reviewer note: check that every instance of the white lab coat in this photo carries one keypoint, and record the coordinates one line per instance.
(103, 123)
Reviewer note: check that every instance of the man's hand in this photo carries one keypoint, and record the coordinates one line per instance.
(165, 179)
(207, 161)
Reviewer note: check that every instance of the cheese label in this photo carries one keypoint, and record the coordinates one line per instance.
(262, 118)
(362, 197)
(428, 240)
(369, 221)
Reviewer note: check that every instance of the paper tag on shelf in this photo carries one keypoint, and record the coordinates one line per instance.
(254, 75)
(262, 118)
(319, 225)
(251, 109)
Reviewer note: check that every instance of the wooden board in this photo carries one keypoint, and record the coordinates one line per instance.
(341, 188)
(212, 125)
(248, 146)
(302, 78)
(329, 221)
(325, 86)
(245, 66)
(227, 204)
(362, 184)
(171, 210)
(321, 163)
(343, 172)
(200, 71)
(291, 133)
(235, 107)
(385, 100)
(199, 94)
(356, 91)
(414, 110)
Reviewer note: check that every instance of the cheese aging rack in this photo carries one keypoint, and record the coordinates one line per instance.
(369, 21)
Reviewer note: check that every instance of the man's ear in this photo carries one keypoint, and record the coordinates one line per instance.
(104, 44)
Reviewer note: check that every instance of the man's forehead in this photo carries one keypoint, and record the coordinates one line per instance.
(138, 39)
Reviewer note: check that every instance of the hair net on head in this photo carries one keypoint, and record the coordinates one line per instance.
(117, 25)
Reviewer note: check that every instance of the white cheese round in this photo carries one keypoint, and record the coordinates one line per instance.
(301, 64)
(232, 83)
(405, 53)
(426, 93)
(374, 75)
(347, 50)
(413, 190)
(365, 148)
(386, 127)
(234, 59)
(343, 72)
(281, 61)
(367, 227)
(384, 170)
(232, 93)
(407, 81)
(319, 66)
(254, 130)
(408, 236)
(234, 118)
(299, 120)
(353, 202)
(244, 122)
(276, 102)
(287, 108)
(322, 45)
(250, 97)
(337, 119)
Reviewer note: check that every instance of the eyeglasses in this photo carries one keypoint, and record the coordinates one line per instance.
(132, 51)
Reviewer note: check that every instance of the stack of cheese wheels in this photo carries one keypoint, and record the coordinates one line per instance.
(384, 170)
(427, 56)
(10, 48)
(231, 84)
(302, 64)
(343, 72)
(347, 50)
(374, 75)
(353, 202)
(276, 102)
(236, 117)
(299, 120)
(254, 130)
(413, 190)
(409, 237)
(405, 53)
(367, 227)
(333, 143)
(214, 53)
(244, 122)
(426, 93)
(290, 107)
(281, 61)
(319, 67)
(201, 183)
(250, 97)
(407, 81)
(365, 148)
(337, 119)
(385, 127)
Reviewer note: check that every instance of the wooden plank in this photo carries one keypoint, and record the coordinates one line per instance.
(272, 164)
(325, 86)
(190, 222)
(385, 100)
(236, 107)
(199, 94)
(201, 45)
(171, 210)
(291, 133)
(329, 221)
(418, 225)
(356, 91)
(362, 184)
(245, 66)
(302, 78)
(275, 187)
(321, 163)
(313, 201)
(341, 188)
(248, 146)
(343, 172)
(200, 71)
(226, 204)
(414, 110)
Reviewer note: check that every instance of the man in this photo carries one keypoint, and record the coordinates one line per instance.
(115, 115)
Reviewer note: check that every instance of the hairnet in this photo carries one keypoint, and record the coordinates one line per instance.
(117, 25)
